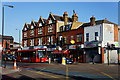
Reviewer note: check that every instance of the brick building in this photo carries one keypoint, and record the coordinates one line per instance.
(9, 46)
(81, 39)
(7, 40)
(44, 32)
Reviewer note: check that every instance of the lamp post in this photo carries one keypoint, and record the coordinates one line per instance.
(3, 30)
(3, 22)
(19, 36)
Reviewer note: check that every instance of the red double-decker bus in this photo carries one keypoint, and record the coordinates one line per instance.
(32, 55)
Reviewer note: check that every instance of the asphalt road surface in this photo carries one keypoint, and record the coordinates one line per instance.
(45, 71)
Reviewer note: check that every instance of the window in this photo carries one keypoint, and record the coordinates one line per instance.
(32, 27)
(48, 38)
(96, 35)
(52, 40)
(40, 41)
(71, 37)
(67, 27)
(32, 42)
(79, 37)
(65, 40)
(39, 30)
(40, 24)
(61, 28)
(50, 29)
(60, 37)
(25, 34)
(25, 43)
(32, 33)
(50, 21)
(87, 36)
(25, 28)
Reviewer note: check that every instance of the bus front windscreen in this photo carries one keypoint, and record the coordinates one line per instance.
(41, 54)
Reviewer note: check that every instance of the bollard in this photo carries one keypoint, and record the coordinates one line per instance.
(64, 61)
(49, 60)
(15, 66)
(74, 60)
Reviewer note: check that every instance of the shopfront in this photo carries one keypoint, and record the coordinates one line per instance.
(92, 51)
(57, 55)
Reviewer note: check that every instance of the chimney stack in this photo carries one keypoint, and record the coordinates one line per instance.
(65, 15)
(75, 17)
(92, 21)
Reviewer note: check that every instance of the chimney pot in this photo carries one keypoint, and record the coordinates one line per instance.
(92, 21)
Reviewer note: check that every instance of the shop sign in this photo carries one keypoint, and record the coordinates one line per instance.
(92, 44)
(72, 46)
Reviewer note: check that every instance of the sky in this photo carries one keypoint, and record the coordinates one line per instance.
(25, 12)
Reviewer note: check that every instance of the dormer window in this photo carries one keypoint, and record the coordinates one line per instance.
(50, 28)
(25, 29)
(61, 28)
(40, 24)
(50, 21)
(39, 30)
(32, 33)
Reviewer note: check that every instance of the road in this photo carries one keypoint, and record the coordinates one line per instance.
(45, 71)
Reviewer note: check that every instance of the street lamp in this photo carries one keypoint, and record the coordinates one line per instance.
(19, 36)
(3, 22)
(3, 29)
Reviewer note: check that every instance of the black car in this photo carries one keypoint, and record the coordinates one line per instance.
(9, 57)
(69, 60)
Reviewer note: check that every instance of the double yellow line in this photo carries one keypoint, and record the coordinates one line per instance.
(103, 73)
(42, 73)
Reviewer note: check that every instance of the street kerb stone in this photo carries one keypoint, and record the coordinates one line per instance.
(10, 70)
(0, 73)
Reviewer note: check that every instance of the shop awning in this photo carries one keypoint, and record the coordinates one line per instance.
(65, 51)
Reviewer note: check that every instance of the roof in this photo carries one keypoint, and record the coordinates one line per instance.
(61, 18)
(76, 25)
(98, 22)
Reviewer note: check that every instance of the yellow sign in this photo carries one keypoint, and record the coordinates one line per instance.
(72, 42)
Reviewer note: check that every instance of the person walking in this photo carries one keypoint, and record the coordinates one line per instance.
(5, 59)
(93, 59)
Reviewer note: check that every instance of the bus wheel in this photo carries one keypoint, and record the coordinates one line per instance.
(30, 60)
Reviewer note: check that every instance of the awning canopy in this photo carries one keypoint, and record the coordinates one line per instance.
(66, 51)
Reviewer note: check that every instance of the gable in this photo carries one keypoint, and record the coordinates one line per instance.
(51, 17)
(25, 27)
(41, 20)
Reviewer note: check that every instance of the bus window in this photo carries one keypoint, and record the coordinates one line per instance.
(40, 54)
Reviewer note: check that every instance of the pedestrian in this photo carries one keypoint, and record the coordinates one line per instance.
(5, 59)
(92, 59)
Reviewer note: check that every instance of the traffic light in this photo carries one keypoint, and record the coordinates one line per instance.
(111, 46)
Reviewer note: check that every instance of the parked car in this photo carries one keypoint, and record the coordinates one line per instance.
(69, 61)
(10, 57)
